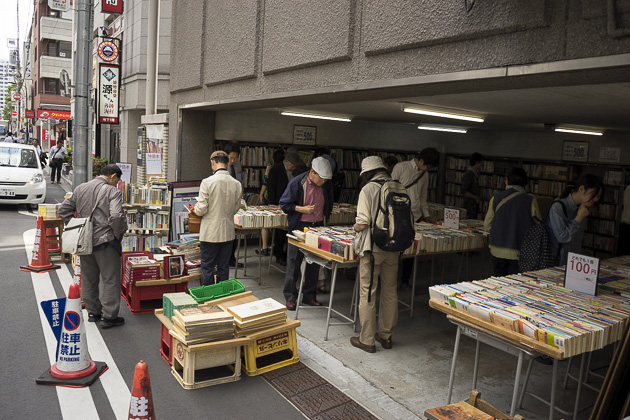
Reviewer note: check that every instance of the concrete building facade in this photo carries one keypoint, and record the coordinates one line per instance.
(6, 79)
(523, 64)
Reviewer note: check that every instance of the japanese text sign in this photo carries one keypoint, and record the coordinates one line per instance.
(451, 218)
(54, 310)
(112, 6)
(108, 97)
(581, 273)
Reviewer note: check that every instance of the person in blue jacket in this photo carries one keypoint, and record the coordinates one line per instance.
(307, 201)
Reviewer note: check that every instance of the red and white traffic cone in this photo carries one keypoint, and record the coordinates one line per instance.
(40, 262)
(141, 404)
(74, 367)
(52, 239)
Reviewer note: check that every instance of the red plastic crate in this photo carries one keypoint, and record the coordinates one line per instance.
(148, 298)
(166, 345)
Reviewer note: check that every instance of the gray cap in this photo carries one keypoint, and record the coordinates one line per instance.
(294, 159)
(322, 167)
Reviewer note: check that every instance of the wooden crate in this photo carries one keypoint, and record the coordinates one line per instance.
(272, 349)
(200, 365)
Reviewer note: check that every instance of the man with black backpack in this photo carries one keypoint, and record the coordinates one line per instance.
(414, 177)
(384, 227)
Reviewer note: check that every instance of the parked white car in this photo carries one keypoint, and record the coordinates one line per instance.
(21, 176)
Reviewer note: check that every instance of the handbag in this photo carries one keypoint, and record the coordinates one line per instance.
(77, 236)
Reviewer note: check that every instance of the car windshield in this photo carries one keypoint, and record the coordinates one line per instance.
(18, 157)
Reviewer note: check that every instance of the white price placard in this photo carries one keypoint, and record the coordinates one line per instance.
(126, 172)
(581, 273)
(451, 218)
(154, 163)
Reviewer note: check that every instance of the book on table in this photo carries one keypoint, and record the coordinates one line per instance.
(256, 309)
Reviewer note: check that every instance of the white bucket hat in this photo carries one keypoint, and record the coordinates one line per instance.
(370, 163)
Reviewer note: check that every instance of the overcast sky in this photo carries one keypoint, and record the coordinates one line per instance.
(8, 27)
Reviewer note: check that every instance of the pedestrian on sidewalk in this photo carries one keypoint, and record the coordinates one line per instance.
(307, 201)
(56, 155)
(374, 264)
(109, 225)
(219, 200)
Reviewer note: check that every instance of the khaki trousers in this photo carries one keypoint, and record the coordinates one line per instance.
(385, 267)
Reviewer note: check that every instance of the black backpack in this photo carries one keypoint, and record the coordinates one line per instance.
(535, 253)
(393, 229)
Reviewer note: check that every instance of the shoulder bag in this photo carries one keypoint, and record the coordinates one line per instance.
(77, 235)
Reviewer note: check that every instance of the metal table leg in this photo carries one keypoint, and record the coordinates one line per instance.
(238, 254)
(554, 378)
(529, 371)
(299, 297)
(579, 386)
(452, 377)
(476, 366)
(413, 284)
(519, 366)
(332, 293)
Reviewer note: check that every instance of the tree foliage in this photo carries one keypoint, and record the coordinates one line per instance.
(8, 107)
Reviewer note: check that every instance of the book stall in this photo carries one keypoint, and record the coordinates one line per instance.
(206, 336)
(333, 247)
(535, 315)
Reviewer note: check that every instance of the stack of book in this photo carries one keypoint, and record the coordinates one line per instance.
(192, 253)
(435, 238)
(252, 317)
(338, 240)
(202, 324)
(343, 214)
(49, 211)
(261, 216)
(533, 304)
(140, 269)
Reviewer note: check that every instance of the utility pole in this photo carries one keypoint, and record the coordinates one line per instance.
(82, 86)
(152, 57)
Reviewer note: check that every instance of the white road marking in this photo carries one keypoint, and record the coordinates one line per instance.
(115, 387)
(23, 210)
(78, 402)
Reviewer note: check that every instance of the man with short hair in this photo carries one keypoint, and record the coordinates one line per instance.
(109, 226)
(470, 186)
(219, 200)
(307, 201)
(235, 168)
(414, 177)
(56, 154)
(510, 214)
(9, 138)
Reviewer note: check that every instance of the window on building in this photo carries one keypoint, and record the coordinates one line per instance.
(60, 49)
(50, 86)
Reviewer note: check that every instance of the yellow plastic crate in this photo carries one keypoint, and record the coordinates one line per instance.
(272, 349)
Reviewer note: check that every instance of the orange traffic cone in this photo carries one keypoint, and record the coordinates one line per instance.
(74, 367)
(141, 404)
(40, 261)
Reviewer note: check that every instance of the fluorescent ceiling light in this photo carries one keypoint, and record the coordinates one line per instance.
(447, 128)
(317, 116)
(578, 130)
(443, 114)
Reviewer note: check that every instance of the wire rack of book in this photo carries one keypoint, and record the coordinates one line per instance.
(147, 209)
(535, 304)
(261, 217)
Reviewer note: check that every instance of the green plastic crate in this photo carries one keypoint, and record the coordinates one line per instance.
(216, 291)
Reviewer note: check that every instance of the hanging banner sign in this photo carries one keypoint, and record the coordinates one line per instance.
(108, 93)
(50, 113)
(28, 62)
(581, 273)
(61, 5)
(112, 6)
(29, 113)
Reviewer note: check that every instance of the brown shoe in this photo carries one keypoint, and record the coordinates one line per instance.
(358, 344)
(385, 343)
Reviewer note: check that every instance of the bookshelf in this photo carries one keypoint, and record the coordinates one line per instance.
(255, 158)
(148, 213)
(549, 179)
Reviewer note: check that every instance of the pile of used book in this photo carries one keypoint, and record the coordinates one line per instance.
(259, 315)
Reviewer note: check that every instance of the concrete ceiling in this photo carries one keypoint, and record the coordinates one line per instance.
(603, 106)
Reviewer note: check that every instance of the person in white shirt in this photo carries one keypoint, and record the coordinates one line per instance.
(413, 175)
(219, 200)
(56, 154)
(9, 138)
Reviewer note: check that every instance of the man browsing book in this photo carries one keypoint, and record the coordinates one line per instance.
(307, 201)
(219, 200)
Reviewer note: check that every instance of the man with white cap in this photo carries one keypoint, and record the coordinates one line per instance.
(374, 263)
(219, 199)
(307, 201)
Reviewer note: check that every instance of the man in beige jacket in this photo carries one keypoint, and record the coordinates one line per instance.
(219, 200)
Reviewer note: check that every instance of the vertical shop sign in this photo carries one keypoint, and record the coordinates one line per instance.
(112, 6)
(108, 93)
(61, 5)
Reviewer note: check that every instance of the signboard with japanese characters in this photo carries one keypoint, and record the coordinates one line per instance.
(451, 218)
(28, 62)
(108, 93)
(29, 113)
(112, 6)
(54, 310)
(51, 113)
(61, 5)
(126, 171)
(581, 273)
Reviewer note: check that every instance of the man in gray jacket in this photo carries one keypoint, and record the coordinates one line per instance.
(109, 225)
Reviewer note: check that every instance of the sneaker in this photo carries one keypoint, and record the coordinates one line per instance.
(265, 252)
(94, 317)
(281, 261)
(114, 322)
(233, 264)
(291, 305)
